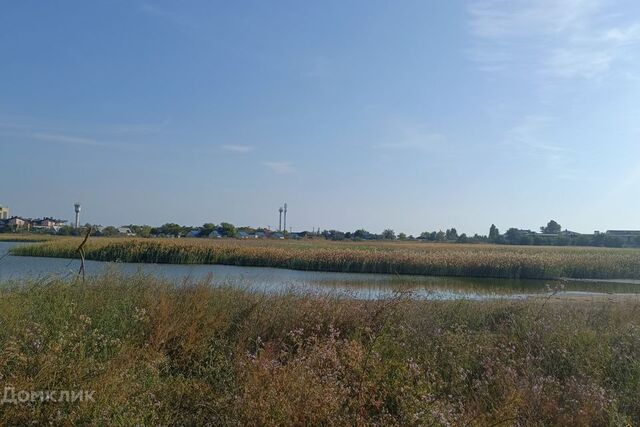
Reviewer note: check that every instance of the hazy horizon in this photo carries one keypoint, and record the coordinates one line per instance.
(411, 116)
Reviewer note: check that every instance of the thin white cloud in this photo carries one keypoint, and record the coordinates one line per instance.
(237, 148)
(280, 168)
(493, 19)
(527, 138)
(63, 138)
(425, 141)
(408, 135)
(58, 137)
(557, 38)
(137, 128)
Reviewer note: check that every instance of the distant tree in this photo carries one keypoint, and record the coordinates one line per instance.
(246, 229)
(141, 230)
(337, 235)
(171, 229)
(429, 235)
(479, 239)
(226, 229)
(583, 240)
(65, 230)
(109, 231)
(613, 242)
(526, 240)
(462, 238)
(388, 234)
(440, 236)
(402, 236)
(551, 228)
(451, 234)
(361, 234)
(494, 233)
(513, 236)
(207, 228)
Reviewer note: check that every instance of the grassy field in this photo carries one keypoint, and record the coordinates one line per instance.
(365, 257)
(13, 237)
(156, 354)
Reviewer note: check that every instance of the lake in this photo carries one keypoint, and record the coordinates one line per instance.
(356, 285)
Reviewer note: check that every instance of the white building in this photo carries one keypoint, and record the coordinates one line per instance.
(4, 212)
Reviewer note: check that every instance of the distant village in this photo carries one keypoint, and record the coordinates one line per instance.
(550, 235)
(50, 225)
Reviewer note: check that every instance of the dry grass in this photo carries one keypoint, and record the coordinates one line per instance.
(198, 355)
(369, 257)
(13, 237)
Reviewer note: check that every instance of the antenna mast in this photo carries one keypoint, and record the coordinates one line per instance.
(285, 217)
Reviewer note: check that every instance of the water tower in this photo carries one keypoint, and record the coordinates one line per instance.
(280, 220)
(77, 209)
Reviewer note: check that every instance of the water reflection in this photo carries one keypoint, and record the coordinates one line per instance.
(368, 286)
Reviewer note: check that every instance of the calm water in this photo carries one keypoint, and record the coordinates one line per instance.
(279, 280)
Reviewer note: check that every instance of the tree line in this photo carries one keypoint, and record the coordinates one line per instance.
(550, 234)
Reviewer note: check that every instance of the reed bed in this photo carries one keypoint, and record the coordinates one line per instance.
(11, 237)
(391, 258)
(153, 353)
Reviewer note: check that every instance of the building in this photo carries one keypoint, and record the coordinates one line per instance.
(48, 223)
(4, 212)
(17, 223)
(126, 231)
(626, 236)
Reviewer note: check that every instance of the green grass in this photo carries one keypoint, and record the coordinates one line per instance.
(375, 257)
(200, 355)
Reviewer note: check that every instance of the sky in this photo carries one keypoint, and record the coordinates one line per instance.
(411, 115)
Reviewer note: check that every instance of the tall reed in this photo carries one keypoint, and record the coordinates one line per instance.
(419, 259)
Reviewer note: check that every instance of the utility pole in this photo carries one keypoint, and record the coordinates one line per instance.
(280, 220)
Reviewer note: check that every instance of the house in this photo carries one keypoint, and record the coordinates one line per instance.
(243, 235)
(47, 223)
(626, 236)
(215, 235)
(193, 233)
(17, 222)
(126, 231)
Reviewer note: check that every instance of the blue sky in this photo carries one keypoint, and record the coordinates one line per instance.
(413, 115)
